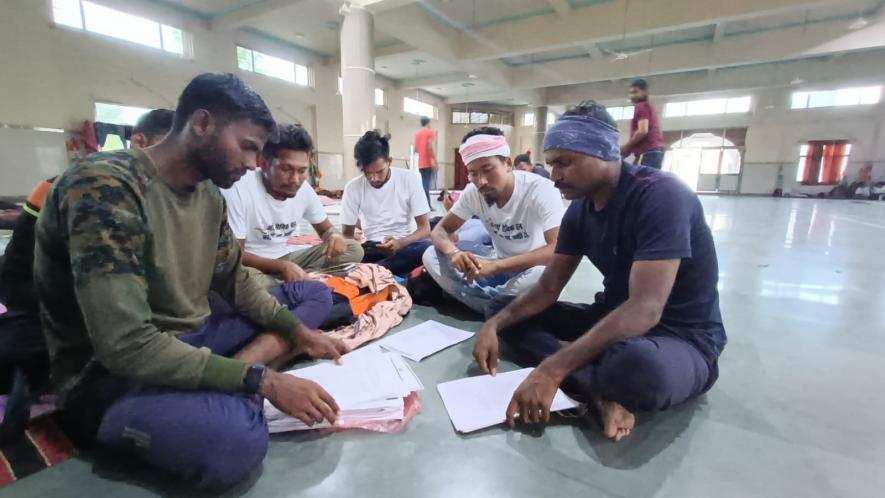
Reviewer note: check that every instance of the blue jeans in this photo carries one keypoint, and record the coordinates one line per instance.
(478, 294)
(214, 439)
(401, 263)
(650, 372)
(426, 179)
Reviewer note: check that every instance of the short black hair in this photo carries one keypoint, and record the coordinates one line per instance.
(292, 137)
(591, 109)
(483, 130)
(640, 84)
(522, 158)
(425, 121)
(371, 147)
(227, 98)
(154, 123)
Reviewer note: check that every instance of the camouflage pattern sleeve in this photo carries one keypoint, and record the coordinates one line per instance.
(101, 210)
(243, 291)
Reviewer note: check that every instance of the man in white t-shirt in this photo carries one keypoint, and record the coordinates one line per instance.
(390, 206)
(265, 207)
(521, 212)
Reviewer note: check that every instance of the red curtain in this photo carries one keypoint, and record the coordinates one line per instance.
(823, 164)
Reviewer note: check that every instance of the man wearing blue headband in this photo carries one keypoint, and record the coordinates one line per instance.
(652, 338)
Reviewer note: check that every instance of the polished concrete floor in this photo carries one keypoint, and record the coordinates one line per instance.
(798, 409)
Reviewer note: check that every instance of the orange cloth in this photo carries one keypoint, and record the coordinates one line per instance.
(381, 316)
(423, 140)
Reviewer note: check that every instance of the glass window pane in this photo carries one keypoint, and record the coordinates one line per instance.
(870, 95)
(275, 67)
(739, 104)
(244, 59)
(528, 119)
(301, 75)
(173, 39)
(674, 109)
(821, 99)
(479, 118)
(628, 112)
(799, 100)
(710, 161)
(67, 13)
(340, 86)
(800, 170)
(110, 22)
(379, 96)
(460, 117)
(803, 150)
(615, 112)
(847, 96)
(118, 114)
(706, 107)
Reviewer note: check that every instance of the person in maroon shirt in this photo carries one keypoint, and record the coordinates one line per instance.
(646, 139)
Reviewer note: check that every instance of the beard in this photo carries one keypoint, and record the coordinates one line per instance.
(490, 198)
(211, 162)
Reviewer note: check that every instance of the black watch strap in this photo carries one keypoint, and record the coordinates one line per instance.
(255, 375)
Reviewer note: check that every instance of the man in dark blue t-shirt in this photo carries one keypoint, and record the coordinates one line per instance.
(652, 338)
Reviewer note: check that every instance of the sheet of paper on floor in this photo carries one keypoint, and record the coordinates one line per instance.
(421, 341)
(474, 403)
(368, 386)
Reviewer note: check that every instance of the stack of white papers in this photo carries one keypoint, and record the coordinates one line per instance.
(475, 403)
(421, 341)
(369, 386)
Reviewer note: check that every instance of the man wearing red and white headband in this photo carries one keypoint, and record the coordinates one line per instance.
(521, 212)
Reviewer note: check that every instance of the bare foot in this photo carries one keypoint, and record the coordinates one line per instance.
(617, 422)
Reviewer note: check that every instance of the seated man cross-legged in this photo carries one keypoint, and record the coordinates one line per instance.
(521, 211)
(390, 206)
(128, 246)
(652, 339)
(266, 205)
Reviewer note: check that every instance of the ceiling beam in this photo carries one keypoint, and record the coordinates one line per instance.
(413, 26)
(863, 69)
(530, 97)
(562, 7)
(719, 33)
(244, 15)
(593, 49)
(826, 38)
(610, 20)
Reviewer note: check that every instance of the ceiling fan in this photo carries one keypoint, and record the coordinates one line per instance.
(624, 55)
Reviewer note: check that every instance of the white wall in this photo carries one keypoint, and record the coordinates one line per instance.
(774, 134)
(52, 76)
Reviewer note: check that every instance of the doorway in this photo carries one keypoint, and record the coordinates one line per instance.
(707, 160)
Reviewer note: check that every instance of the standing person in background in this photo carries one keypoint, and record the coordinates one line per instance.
(646, 139)
(426, 155)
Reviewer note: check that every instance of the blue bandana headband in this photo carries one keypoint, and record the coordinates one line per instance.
(584, 135)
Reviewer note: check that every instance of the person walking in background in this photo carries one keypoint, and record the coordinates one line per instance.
(646, 139)
(426, 155)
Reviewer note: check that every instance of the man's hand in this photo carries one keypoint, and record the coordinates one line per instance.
(335, 246)
(532, 399)
(316, 345)
(300, 398)
(485, 349)
(390, 246)
(289, 271)
(486, 268)
(466, 262)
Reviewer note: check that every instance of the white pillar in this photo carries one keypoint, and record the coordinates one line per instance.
(540, 130)
(357, 80)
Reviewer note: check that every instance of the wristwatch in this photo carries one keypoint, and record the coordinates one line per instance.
(255, 375)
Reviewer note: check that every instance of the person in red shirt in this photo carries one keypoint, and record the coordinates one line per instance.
(646, 139)
(426, 155)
